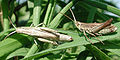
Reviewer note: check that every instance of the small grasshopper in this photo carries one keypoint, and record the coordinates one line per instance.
(42, 34)
(94, 28)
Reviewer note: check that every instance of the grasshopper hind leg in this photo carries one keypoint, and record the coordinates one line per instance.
(95, 37)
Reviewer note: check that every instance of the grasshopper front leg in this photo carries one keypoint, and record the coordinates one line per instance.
(87, 37)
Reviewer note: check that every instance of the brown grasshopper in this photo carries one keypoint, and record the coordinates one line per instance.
(94, 28)
(42, 34)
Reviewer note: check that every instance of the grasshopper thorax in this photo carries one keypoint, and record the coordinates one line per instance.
(24, 29)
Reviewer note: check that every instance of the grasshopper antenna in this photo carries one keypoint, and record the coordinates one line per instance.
(11, 22)
(13, 26)
(73, 15)
(67, 16)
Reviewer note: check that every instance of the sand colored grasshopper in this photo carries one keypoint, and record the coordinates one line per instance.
(42, 34)
(94, 28)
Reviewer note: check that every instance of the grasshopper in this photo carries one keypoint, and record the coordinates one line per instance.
(42, 34)
(94, 28)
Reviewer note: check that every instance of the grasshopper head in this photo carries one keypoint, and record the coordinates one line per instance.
(65, 38)
(78, 25)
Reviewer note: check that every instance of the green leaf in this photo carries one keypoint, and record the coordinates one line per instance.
(103, 6)
(83, 55)
(91, 15)
(33, 49)
(5, 14)
(56, 21)
(98, 53)
(18, 52)
(87, 7)
(36, 11)
(115, 51)
(113, 43)
(49, 11)
(12, 43)
(68, 25)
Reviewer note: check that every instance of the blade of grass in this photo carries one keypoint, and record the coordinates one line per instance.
(56, 21)
(87, 7)
(33, 49)
(52, 12)
(49, 8)
(61, 3)
(12, 43)
(103, 6)
(37, 11)
(83, 55)
(98, 53)
(18, 52)
(5, 14)
(112, 45)
(91, 15)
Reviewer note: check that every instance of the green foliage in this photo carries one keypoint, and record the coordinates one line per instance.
(47, 12)
(18, 52)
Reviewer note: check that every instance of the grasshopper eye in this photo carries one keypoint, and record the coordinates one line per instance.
(71, 39)
(77, 24)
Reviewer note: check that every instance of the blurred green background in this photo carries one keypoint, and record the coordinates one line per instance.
(23, 13)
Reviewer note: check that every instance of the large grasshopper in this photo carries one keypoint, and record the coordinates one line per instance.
(42, 34)
(94, 28)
